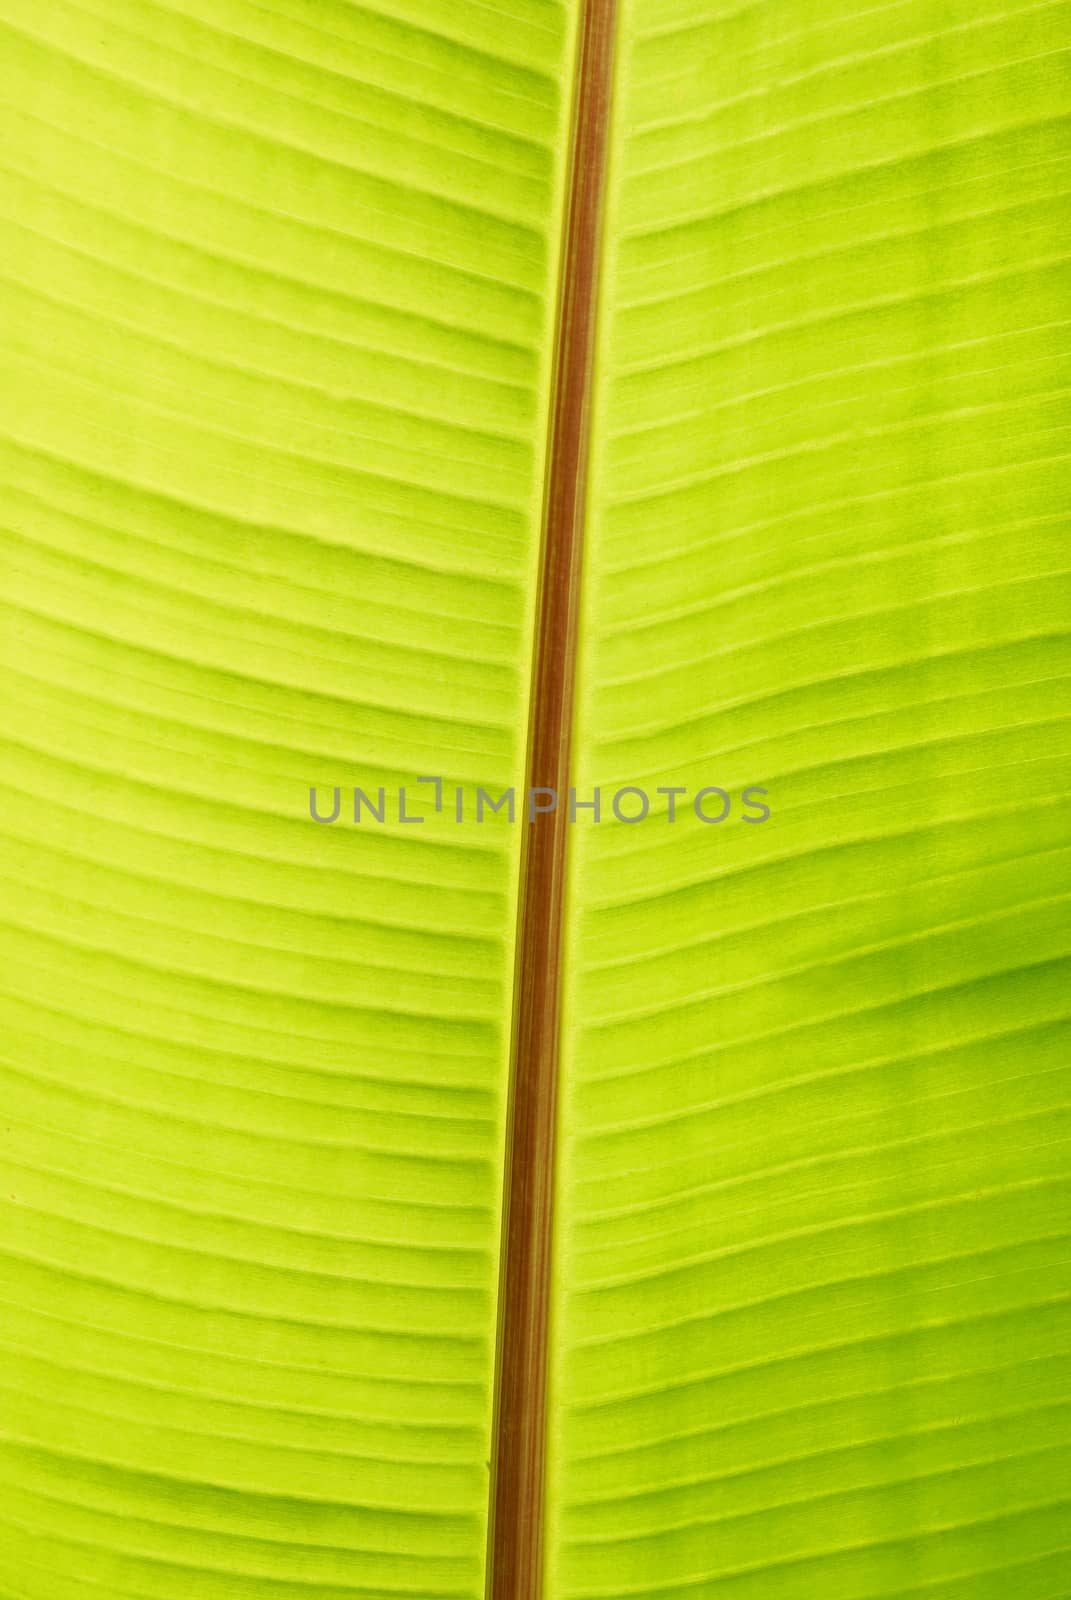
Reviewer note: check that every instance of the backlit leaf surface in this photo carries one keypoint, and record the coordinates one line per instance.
(279, 287)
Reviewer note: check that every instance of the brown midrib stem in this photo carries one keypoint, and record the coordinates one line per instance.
(515, 1558)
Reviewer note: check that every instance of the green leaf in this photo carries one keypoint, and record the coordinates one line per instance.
(280, 292)
(811, 1288)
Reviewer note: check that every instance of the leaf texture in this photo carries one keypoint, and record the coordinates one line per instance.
(277, 288)
(279, 284)
(811, 1326)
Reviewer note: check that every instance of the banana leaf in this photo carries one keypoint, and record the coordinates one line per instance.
(283, 286)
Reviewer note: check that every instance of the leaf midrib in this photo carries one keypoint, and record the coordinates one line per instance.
(517, 1467)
